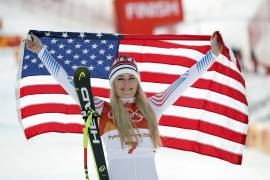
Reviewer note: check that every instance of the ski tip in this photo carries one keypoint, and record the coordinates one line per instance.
(81, 73)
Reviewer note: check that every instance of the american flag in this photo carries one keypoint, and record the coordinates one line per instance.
(210, 118)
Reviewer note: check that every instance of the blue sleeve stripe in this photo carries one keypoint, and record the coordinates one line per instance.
(205, 62)
(168, 92)
(51, 63)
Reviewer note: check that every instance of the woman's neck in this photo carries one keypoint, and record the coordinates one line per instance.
(128, 100)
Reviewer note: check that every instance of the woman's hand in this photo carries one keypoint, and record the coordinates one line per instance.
(34, 45)
(217, 43)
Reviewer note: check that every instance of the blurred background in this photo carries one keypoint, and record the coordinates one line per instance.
(244, 24)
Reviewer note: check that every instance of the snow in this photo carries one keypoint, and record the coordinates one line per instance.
(60, 156)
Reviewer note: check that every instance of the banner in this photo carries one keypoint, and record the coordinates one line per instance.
(142, 16)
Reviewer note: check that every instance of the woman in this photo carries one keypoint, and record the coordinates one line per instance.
(129, 123)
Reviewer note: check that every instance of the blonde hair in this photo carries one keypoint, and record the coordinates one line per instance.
(124, 124)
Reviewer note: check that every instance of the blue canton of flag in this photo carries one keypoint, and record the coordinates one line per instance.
(71, 50)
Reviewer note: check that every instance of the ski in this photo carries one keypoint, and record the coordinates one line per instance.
(91, 130)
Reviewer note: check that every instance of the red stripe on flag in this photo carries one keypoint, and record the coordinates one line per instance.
(162, 44)
(221, 89)
(49, 108)
(41, 89)
(206, 127)
(54, 89)
(159, 77)
(52, 127)
(101, 92)
(212, 107)
(167, 37)
(201, 149)
(161, 59)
